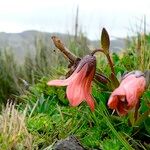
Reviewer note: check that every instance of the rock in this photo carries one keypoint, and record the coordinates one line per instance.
(70, 143)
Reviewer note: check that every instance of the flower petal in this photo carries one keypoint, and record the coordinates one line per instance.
(75, 90)
(114, 99)
(87, 90)
(134, 87)
(75, 94)
(121, 110)
(90, 101)
(112, 102)
(58, 83)
(63, 82)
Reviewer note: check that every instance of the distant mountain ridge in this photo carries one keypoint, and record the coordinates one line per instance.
(21, 43)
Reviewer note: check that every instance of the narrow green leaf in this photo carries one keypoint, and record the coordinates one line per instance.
(120, 137)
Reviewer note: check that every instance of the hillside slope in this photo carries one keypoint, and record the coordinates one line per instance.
(21, 43)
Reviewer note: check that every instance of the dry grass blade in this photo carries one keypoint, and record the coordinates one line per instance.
(13, 131)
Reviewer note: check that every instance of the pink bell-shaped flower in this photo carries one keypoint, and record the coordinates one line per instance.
(127, 95)
(79, 84)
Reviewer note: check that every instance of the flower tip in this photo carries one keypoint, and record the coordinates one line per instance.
(112, 102)
(57, 83)
(53, 82)
(92, 107)
(49, 83)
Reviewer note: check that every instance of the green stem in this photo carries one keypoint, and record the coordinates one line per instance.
(142, 118)
(136, 111)
(110, 63)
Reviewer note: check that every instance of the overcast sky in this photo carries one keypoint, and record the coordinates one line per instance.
(119, 17)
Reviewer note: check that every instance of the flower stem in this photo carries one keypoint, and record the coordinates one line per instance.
(142, 118)
(110, 63)
(73, 59)
(108, 58)
(97, 50)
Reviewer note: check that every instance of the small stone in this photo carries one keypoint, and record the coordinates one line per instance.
(70, 143)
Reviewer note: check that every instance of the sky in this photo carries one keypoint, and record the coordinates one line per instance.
(121, 18)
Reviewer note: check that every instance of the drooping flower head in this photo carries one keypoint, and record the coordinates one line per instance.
(79, 84)
(127, 95)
